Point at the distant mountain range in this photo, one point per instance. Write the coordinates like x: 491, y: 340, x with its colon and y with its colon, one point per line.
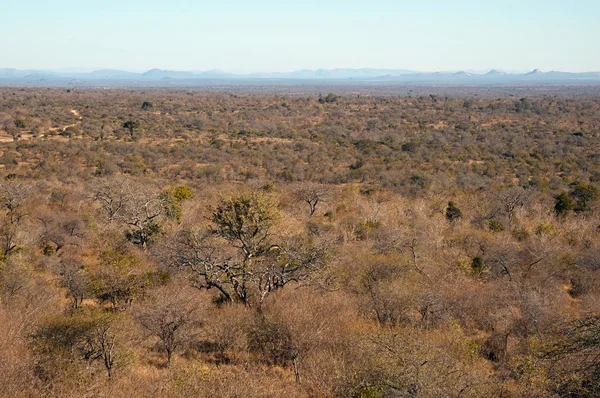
x: 159, y: 77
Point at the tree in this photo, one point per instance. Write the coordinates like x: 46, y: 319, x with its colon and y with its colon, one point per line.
x: 112, y: 194
x: 21, y: 124
x: 272, y: 340
x: 258, y: 266
x: 74, y: 279
x: 312, y: 194
x: 131, y: 126
x: 572, y: 360
x: 245, y: 222
x: 138, y: 206
x: 563, y: 203
x: 453, y: 213
x: 118, y: 279
x: 172, y: 198
x: 13, y: 198
x: 146, y: 106
x: 171, y: 315
x: 584, y: 195
x: 512, y: 199
x: 142, y: 213
x: 79, y: 338
x: 331, y: 98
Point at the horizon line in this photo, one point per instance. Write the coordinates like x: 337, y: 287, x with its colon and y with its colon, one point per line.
x: 83, y: 70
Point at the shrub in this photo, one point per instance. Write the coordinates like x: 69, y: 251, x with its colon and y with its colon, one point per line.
x: 271, y: 340
x: 495, y: 226
x: 453, y: 213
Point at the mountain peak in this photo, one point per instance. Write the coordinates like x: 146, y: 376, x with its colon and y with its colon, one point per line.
x: 534, y: 72
x: 462, y: 74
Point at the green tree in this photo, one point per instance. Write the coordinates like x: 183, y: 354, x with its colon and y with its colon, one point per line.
x: 453, y: 213
x: 258, y: 266
x: 563, y: 203
x: 245, y: 221
x: 118, y: 279
x: 172, y: 198
x: 21, y: 124
x: 584, y: 195
x: 131, y: 126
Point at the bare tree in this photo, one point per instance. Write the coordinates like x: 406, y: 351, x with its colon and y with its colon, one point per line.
x: 172, y: 316
x: 138, y: 206
x: 101, y: 342
x: 112, y: 194
x: 74, y: 280
x: 312, y: 194
x: 572, y: 360
x: 200, y: 254
x: 513, y: 198
x: 142, y: 212
x: 13, y: 197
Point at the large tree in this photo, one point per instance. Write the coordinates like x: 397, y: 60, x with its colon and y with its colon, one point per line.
x: 259, y: 264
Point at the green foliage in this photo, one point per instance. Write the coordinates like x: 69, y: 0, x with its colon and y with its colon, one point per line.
x: 49, y: 249
x: 418, y: 180
x: 329, y: 99
x: 21, y: 124
x: 546, y: 229
x: 245, y: 220
x: 172, y: 198
x: 584, y: 195
x: 453, y: 213
x: 70, y: 132
x: 118, y: 279
x: 365, y: 228
x: 181, y: 193
x: 147, y: 105
x: 369, y: 392
x: 217, y: 143
x: 103, y: 168
x: 495, y: 226
x: 145, y: 234
x: 269, y: 186
x: 79, y: 339
x: 131, y: 126
x: 286, y: 175
x: 520, y: 234
x: 477, y: 266
x: 61, y: 334
x: 410, y: 146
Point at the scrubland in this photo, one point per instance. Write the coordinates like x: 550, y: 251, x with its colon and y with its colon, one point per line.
x: 179, y: 243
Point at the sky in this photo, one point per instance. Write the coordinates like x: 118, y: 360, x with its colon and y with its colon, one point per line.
x: 287, y: 35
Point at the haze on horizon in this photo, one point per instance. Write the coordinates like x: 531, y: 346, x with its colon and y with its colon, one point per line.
x: 268, y: 36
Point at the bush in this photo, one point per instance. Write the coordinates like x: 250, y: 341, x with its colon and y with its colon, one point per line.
x: 272, y: 341
x: 495, y: 226
x: 453, y: 213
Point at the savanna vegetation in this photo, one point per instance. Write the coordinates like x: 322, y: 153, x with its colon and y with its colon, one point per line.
x: 177, y: 243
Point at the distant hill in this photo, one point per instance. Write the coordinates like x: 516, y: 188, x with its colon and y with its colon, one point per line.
x: 11, y: 76
x: 167, y: 74
x: 111, y: 74
x: 462, y: 74
x: 495, y: 73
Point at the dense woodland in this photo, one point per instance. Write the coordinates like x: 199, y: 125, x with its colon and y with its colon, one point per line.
x: 177, y: 243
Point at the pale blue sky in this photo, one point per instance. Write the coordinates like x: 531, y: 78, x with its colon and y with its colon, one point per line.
x: 268, y: 35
